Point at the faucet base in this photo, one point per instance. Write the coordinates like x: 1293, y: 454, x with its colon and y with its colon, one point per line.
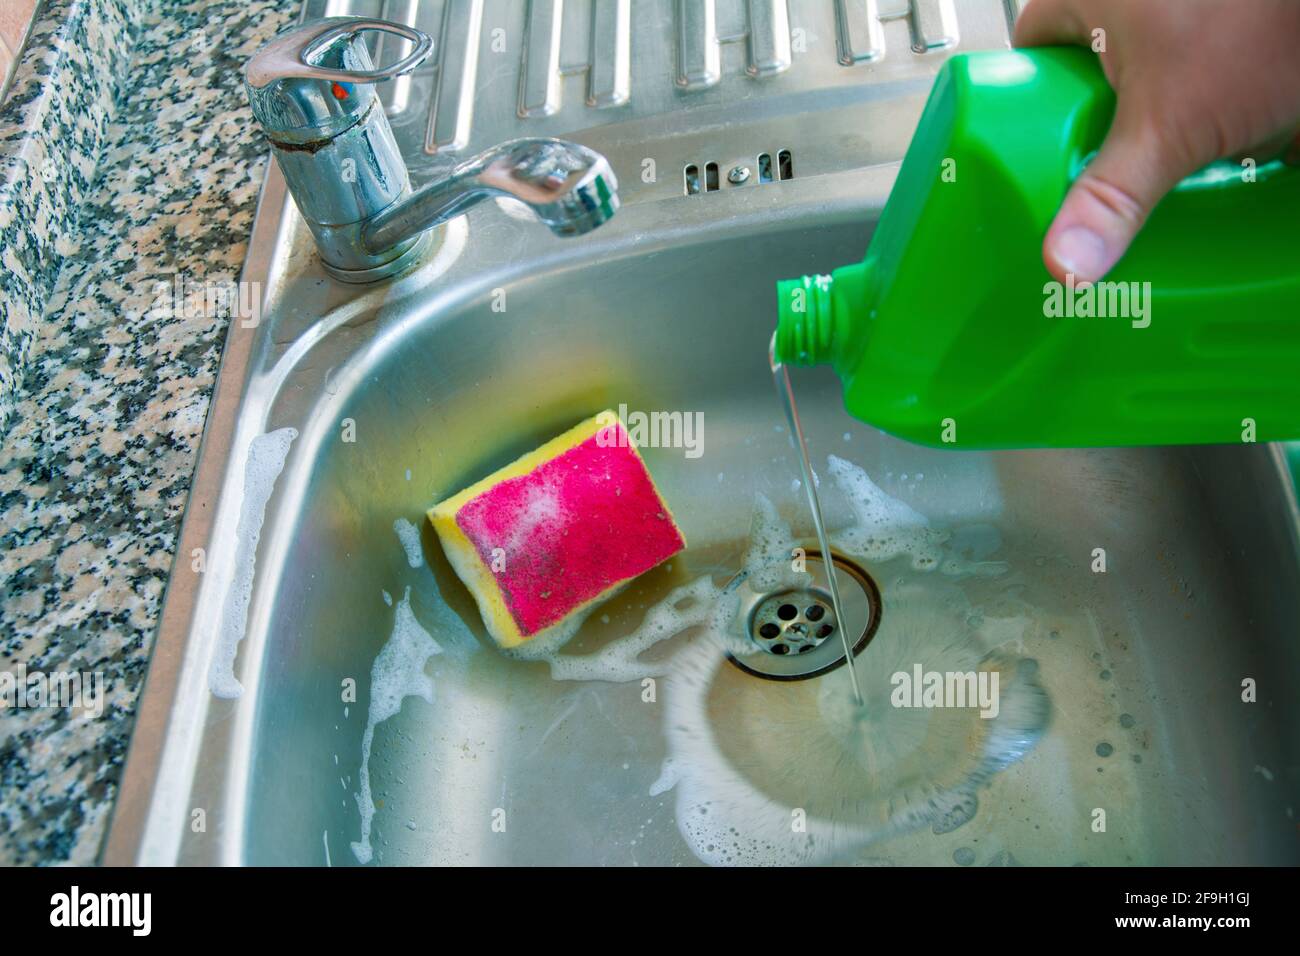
x: 415, y: 249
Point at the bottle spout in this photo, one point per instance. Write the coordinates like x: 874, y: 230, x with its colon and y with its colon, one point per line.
x: 805, y: 320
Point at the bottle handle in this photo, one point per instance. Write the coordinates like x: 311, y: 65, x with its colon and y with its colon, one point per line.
x: 1088, y: 135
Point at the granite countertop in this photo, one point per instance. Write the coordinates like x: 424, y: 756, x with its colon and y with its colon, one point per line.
x: 127, y: 156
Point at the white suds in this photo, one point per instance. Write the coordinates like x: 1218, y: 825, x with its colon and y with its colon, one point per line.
x: 769, y: 559
x: 904, y: 768
x: 669, y: 776
x: 266, y: 457
x: 398, y: 673
x: 721, y: 813
x: 700, y: 604
x: 540, y: 515
x: 885, y: 527
x: 409, y: 535
x: 691, y: 605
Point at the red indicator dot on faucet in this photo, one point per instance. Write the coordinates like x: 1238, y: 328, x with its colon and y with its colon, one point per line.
x: 339, y: 90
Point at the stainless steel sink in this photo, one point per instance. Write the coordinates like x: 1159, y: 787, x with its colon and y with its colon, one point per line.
x: 494, y: 760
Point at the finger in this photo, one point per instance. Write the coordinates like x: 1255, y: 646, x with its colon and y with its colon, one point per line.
x: 1283, y: 146
x: 1275, y: 147
x: 1050, y: 23
x: 1110, y: 201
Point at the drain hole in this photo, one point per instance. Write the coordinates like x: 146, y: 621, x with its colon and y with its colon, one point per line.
x: 780, y: 649
x: 769, y: 630
x: 807, y: 647
x: 815, y: 613
x: 787, y: 612
x: 825, y: 630
x: 765, y: 167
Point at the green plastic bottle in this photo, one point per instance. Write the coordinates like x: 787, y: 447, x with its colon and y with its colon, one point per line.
x: 952, y: 333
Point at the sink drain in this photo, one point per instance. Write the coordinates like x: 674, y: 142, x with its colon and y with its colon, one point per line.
x: 793, y: 622
x: 794, y: 632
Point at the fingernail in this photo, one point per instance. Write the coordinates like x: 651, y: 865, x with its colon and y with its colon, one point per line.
x: 1082, y: 252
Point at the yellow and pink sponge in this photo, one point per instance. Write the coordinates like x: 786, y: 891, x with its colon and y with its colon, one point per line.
x: 557, y: 531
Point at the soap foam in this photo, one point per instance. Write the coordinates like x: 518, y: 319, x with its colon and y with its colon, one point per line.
x: 884, y: 527
x: 409, y: 535
x: 816, y: 779
x: 397, y: 673
x: 769, y: 559
x: 896, y: 769
x: 768, y: 563
x: 539, y: 517
x: 547, y: 643
x: 266, y: 457
x: 700, y: 604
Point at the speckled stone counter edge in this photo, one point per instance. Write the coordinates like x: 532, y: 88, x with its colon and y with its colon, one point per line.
x: 52, y: 127
x: 104, y: 430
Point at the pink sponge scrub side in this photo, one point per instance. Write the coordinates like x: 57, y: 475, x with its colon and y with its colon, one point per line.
x: 557, y: 530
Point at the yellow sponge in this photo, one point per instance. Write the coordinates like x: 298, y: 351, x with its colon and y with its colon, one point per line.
x: 556, y: 531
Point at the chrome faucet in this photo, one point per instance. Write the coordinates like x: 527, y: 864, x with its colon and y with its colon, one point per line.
x: 311, y: 89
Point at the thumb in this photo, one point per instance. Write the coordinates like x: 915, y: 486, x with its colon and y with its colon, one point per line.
x: 1111, y: 199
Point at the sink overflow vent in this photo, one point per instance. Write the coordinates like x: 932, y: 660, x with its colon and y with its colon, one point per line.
x: 772, y: 168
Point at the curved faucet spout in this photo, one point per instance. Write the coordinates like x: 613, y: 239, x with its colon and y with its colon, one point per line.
x: 569, y: 187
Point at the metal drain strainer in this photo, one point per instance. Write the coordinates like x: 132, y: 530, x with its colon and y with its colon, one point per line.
x: 793, y: 622
x: 793, y: 632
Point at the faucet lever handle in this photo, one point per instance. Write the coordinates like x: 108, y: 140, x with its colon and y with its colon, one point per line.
x: 297, y: 53
x: 313, y: 82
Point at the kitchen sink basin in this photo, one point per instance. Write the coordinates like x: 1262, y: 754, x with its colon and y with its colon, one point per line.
x: 405, y: 392
x: 322, y: 689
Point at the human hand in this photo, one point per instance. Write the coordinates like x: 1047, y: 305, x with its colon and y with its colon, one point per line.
x: 1195, y: 80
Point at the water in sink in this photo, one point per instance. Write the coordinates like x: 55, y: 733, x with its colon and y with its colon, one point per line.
x: 786, y: 772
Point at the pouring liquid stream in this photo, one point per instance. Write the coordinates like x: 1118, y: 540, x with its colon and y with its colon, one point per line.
x: 783, y: 387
